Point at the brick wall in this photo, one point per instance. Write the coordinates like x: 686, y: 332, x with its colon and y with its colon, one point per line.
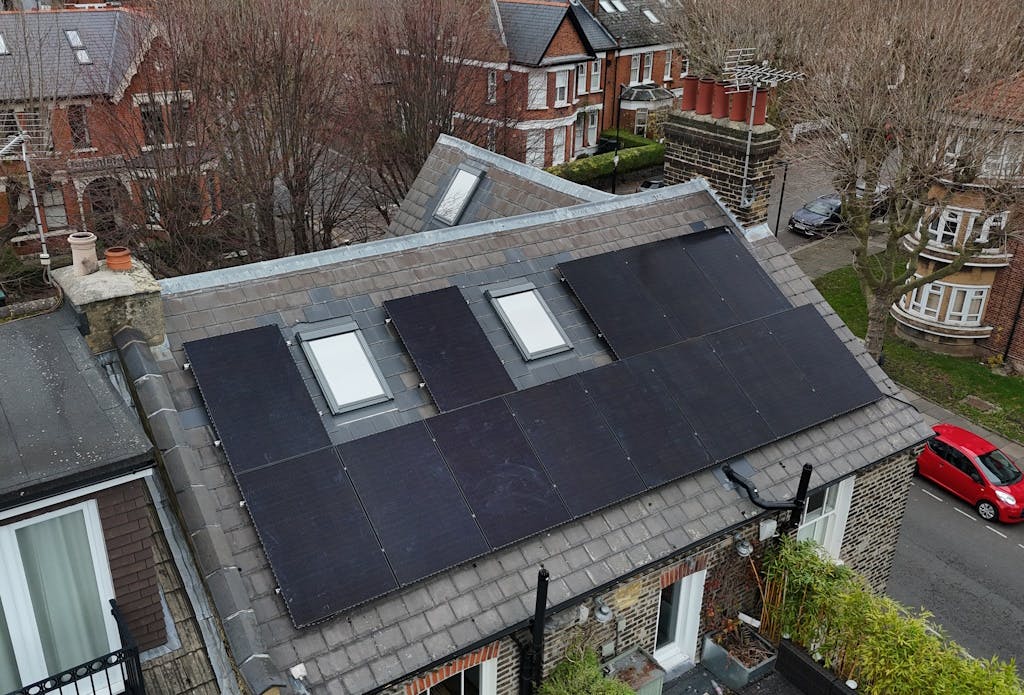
x: 716, y: 150
x: 1002, y: 307
x: 876, y: 515
x: 565, y: 42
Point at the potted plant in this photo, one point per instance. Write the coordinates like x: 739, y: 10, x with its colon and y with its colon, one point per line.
x: 736, y: 654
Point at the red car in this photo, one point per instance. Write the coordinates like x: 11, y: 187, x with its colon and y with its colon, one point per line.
x: 976, y: 471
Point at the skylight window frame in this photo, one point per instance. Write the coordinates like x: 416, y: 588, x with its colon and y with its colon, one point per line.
x: 74, y: 38
x: 619, y: 5
x: 651, y: 17
x: 452, y: 219
x: 329, y: 329
x: 606, y: 6
x: 496, y: 294
x: 4, y: 50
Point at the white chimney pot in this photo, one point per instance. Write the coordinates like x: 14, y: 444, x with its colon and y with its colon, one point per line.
x: 83, y: 252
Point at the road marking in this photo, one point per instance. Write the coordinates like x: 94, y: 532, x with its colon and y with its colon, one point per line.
x: 934, y: 497
x: 961, y: 511
x: 998, y: 533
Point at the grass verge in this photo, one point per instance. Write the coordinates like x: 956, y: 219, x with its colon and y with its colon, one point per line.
x: 940, y: 378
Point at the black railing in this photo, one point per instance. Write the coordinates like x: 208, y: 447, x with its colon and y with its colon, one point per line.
x: 117, y: 672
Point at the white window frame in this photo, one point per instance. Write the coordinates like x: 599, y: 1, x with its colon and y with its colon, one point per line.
x: 965, y: 317
x: 619, y: 5
x: 17, y: 602
x: 557, y: 145
x: 454, y: 201
x: 640, y: 119
x: 606, y: 6
x: 492, y: 86
x: 634, y: 68
x: 74, y: 38
x: 938, y: 228
x: 562, y: 88
x: 998, y: 221
x: 829, y: 524
x: 329, y: 329
x: 595, y: 76
x: 496, y: 295
x: 651, y: 17
x: 51, y: 199
x: 667, y: 76
x: 488, y: 677
x: 579, y: 128
x: 581, y: 78
x: 684, y: 67
x: 919, y: 300
x: 648, y: 66
x: 592, y: 120
x: 537, y: 90
x: 689, y: 593
x: 535, y: 146
x: 3, y: 47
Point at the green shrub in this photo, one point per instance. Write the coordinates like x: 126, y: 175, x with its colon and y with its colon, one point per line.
x: 888, y: 649
x: 628, y: 139
x: 580, y: 674
x: 593, y: 168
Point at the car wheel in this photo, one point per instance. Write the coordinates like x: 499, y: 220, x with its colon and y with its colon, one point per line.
x: 988, y: 511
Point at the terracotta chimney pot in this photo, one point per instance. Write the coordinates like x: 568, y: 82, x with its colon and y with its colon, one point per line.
x: 83, y: 252
x: 720, y: 100
x: 119, y: 258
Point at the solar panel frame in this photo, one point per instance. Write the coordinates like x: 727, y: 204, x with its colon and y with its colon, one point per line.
x: 423, y: 522
x: 298, y: 507
x: 249, y: 377
x: 449, y: 348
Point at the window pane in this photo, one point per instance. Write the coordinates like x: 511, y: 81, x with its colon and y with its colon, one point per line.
x: 449, y: 686
x: 10, y: 679
x: 64, y: 592
x: 531, y: 322
x: 346, y: 369
x: 668, y: 607
x: 471, y: 681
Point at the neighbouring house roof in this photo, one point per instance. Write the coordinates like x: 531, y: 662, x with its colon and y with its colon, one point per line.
x: 507, y: 188
x: 632, y: 28
x: 410, y: 629
x: 530, y: 25
x: 43, y: 65
x: 1003, y: 100
x: 62, y: 423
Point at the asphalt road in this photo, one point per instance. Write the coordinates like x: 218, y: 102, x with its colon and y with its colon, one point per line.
x: 805, y: 181
x: 967, y: 572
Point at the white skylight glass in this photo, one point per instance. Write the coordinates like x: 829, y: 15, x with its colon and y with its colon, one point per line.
x: 74, y: 39
x: 3, y: 46
x: 82, y: 57
x: 650, y: 16
x: 606, y: 6
x: 346, y: 372
x: 457, y: 196
x: 530, y: 323
x: 619, y: 6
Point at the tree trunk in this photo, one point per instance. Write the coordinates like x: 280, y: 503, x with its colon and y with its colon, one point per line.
x: 878, y: 318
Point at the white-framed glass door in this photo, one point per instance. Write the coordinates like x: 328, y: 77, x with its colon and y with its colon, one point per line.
x: 55, y: 591
x: 679, y: 621
x: 475, y: 680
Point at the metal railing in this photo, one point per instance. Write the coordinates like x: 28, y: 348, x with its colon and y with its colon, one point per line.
x: 120, y: 671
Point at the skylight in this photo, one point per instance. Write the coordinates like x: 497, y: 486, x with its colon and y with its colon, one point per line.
x: 529, y: 321
x: 619, y: 6
x: 3, y: 46
x: 455, y: 198
x: 344, y: 367
x: 606, y: 6
x: 650, y: 16
x: 82, y: 57
x: 74, y: 40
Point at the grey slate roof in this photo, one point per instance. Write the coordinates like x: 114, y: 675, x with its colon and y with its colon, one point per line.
x: 633, y: 29
x: 508, y: 188
x: 62, y: 424
x: 42, y: 64
x: 408, y: 630
x: 530, y: 26
x: 596, y: 35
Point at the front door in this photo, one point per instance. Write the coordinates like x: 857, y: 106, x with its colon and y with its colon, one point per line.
x: 679, y: 621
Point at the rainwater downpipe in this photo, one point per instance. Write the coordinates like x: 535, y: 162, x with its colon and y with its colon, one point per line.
x: 537, y: 645
x: 1013, y: 326
x: 796, y: 506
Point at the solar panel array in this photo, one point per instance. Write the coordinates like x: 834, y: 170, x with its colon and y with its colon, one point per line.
x: 344, y: 524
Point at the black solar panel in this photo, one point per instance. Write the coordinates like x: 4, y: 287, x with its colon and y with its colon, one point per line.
x: 839, y: 382
x: 727, y: 264
x: 418, y: 511
x: 458, y: 363
x: 646, y: 420
x: 575, y: 446
x: 768, y: 375
x: 693, y: 305
x: 617, y: 302
x: 323, y: 552
x: 503, y: 481
x: 256, y: 397
x: 723, y: 417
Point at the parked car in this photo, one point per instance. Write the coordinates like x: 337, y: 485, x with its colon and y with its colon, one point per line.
x: 819, y: 217
x: 650, y: 184
x: 976, y: 471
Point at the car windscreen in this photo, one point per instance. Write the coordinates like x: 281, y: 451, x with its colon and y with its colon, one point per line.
x: 821, y: 207
x: 998, y: 469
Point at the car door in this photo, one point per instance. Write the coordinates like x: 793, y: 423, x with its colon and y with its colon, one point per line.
x: 965, y: 480
x: 941, y: 467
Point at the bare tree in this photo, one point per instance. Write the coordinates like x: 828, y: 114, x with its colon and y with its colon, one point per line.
x: 891, y: 85
x: 430, y: 67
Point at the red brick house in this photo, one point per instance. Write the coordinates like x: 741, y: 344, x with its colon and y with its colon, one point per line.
x: 86, y: 87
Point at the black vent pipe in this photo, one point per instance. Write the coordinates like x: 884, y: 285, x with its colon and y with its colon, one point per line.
x: 796, y: 505
x: 537, y: 646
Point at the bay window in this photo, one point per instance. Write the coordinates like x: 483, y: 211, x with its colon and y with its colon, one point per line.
x: 926, y: 300
x: 943, y: 227
x: 966, y: 305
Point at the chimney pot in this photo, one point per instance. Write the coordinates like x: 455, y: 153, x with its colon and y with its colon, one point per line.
x: 83, y: 252
x: 119, y: 258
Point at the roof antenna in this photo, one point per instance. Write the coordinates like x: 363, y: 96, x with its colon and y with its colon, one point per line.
x: 741, y: 71
x: 22, y: 138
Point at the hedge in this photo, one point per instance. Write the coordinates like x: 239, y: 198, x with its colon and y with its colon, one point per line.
x: 590, y: 169
x: 628, y: 139
x: 886, y: 648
